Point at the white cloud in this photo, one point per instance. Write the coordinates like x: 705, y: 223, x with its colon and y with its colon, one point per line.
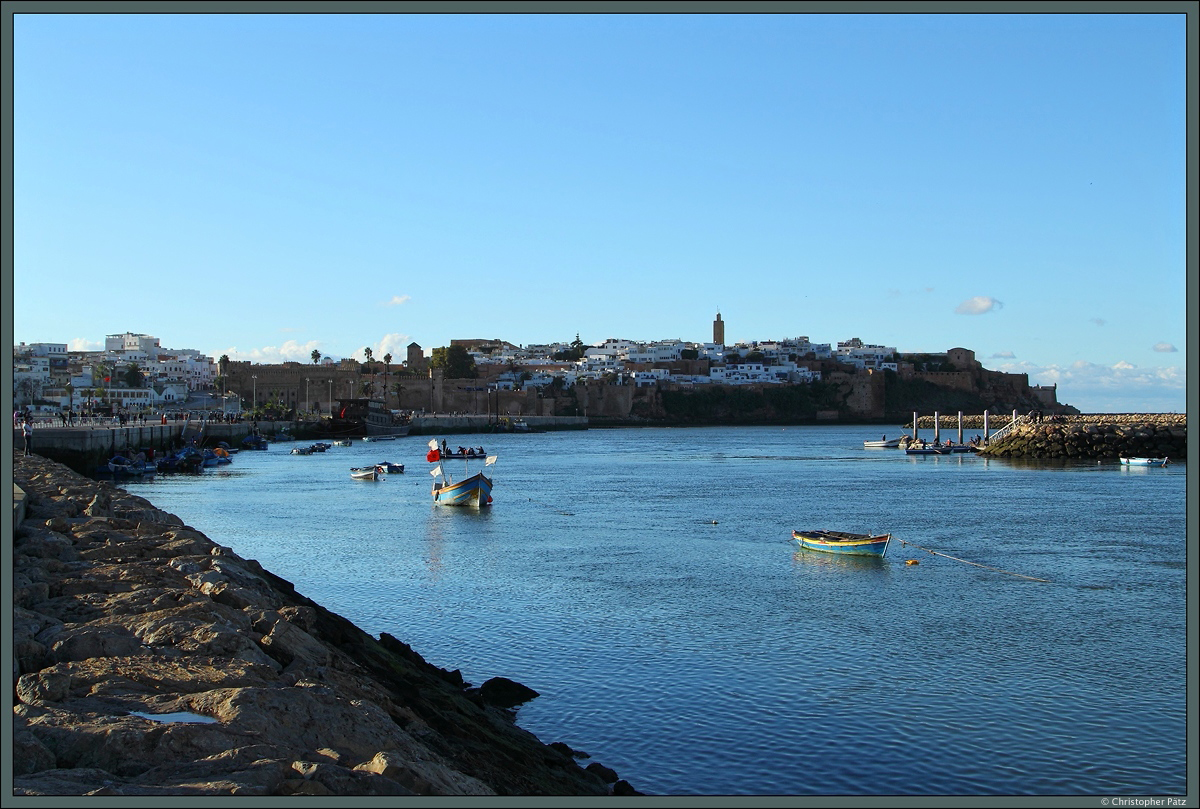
x: 1118, y: 388
x: 80, y: 344
x: 290, y: 351
x: 1003, y: 355
x: 1165, y: 348
x: 397, y: 300
x: 978, y: 305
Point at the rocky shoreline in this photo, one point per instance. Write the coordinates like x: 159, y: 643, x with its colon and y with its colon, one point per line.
x: 150, y: 660
x: 1100, y: 436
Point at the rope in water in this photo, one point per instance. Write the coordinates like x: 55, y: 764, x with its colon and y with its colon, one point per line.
x: 976, y: 564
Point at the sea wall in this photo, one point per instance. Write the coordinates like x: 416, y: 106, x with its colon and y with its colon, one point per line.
x: 150, y: 660
x: 1095, y: 436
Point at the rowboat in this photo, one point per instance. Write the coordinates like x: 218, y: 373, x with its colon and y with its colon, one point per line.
x: 390, y: 468
x: 364, y: 472
x: 883, y: 443
x: 472, y: 490
x: 379, y: 438
x: 341, y: 442
x: 1145, y: 461
x: 843, y: 542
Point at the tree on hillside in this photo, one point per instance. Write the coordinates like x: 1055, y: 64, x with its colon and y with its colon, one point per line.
x: 369, y: 355
x: 456, y: 362
x: 316, y: 356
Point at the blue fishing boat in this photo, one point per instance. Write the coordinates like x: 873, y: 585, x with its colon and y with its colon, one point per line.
x: 843, y: 542
x: 472, y: 490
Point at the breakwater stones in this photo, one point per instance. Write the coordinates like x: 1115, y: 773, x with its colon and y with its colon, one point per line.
x: 1095, y: 436
x: 150, y: 660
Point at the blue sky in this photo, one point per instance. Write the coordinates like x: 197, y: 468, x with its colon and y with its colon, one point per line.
x: 260, y: 185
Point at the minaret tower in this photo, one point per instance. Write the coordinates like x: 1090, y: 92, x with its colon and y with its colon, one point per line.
x: 718, y: 331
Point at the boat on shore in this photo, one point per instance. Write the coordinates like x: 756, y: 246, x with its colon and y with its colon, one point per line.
x: 843, y: 542
x: 1145, y: 461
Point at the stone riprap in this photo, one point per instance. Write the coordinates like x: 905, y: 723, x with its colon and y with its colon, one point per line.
x: 1103, y: 436
x: 150, y: 660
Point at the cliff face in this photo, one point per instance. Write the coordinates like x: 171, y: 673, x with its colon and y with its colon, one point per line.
x: 152, y: 661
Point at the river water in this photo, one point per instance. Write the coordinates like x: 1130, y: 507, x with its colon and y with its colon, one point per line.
x: 644, y: 582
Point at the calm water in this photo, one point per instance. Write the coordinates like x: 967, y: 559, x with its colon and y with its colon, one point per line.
x: 645, y: 583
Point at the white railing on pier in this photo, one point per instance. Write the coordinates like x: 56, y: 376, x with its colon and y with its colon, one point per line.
x: 1003, y: 431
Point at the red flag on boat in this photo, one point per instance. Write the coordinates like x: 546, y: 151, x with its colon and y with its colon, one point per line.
x: 433, y: 456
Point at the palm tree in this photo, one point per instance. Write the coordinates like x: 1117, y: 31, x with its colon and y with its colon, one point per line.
x: 387, y: 366
x: 365, y: 387
x: 369, y: 355
x: 399, y: 388
x: 316, y: 356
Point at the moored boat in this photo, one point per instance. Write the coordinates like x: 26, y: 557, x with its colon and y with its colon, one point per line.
x: 883, y: 443
x: 390, y: 468
x: 472, y: 490
x: 843, y: 542
x: 1145, y: 461
x: 364, y: 472
x: 254, y: 441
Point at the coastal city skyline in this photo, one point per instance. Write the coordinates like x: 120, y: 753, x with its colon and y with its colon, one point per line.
x: 262, y: 186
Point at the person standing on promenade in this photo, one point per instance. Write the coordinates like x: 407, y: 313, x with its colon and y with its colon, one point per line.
x: 27, y: 432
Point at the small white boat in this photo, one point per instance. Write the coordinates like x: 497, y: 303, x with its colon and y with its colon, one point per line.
x: 1145, y: 461
x: 379, y: 438
x: 390, y: 468
x: 885, y: 442
x: 341, y: 442
x: 364, y: 472
x: 302, y: 450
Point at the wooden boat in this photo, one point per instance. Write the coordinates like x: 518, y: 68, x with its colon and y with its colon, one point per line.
x: 927, y: 450
x: 364, y: 472
x: 120, y: 466
x: 1145, y: 461
x: 472, y: 490
x: 254, y: 442
x: 390, y: 468
x: 302, y: 450
x: 883, y: 443
x: 842, y: 542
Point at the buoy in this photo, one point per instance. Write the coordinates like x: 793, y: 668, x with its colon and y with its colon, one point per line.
x: 911, y: 562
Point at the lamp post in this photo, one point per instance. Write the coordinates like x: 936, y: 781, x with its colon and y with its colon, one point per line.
x: 254, y: 391
x: 331, y: 399
x: 307, y: 400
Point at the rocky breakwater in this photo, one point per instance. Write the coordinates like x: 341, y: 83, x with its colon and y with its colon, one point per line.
x: 1100, y: 436
x: 150, y: 660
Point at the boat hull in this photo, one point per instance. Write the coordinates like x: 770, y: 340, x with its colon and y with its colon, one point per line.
x: 848, y: 544
x: 1144, y: 461
x: 473, y: 491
